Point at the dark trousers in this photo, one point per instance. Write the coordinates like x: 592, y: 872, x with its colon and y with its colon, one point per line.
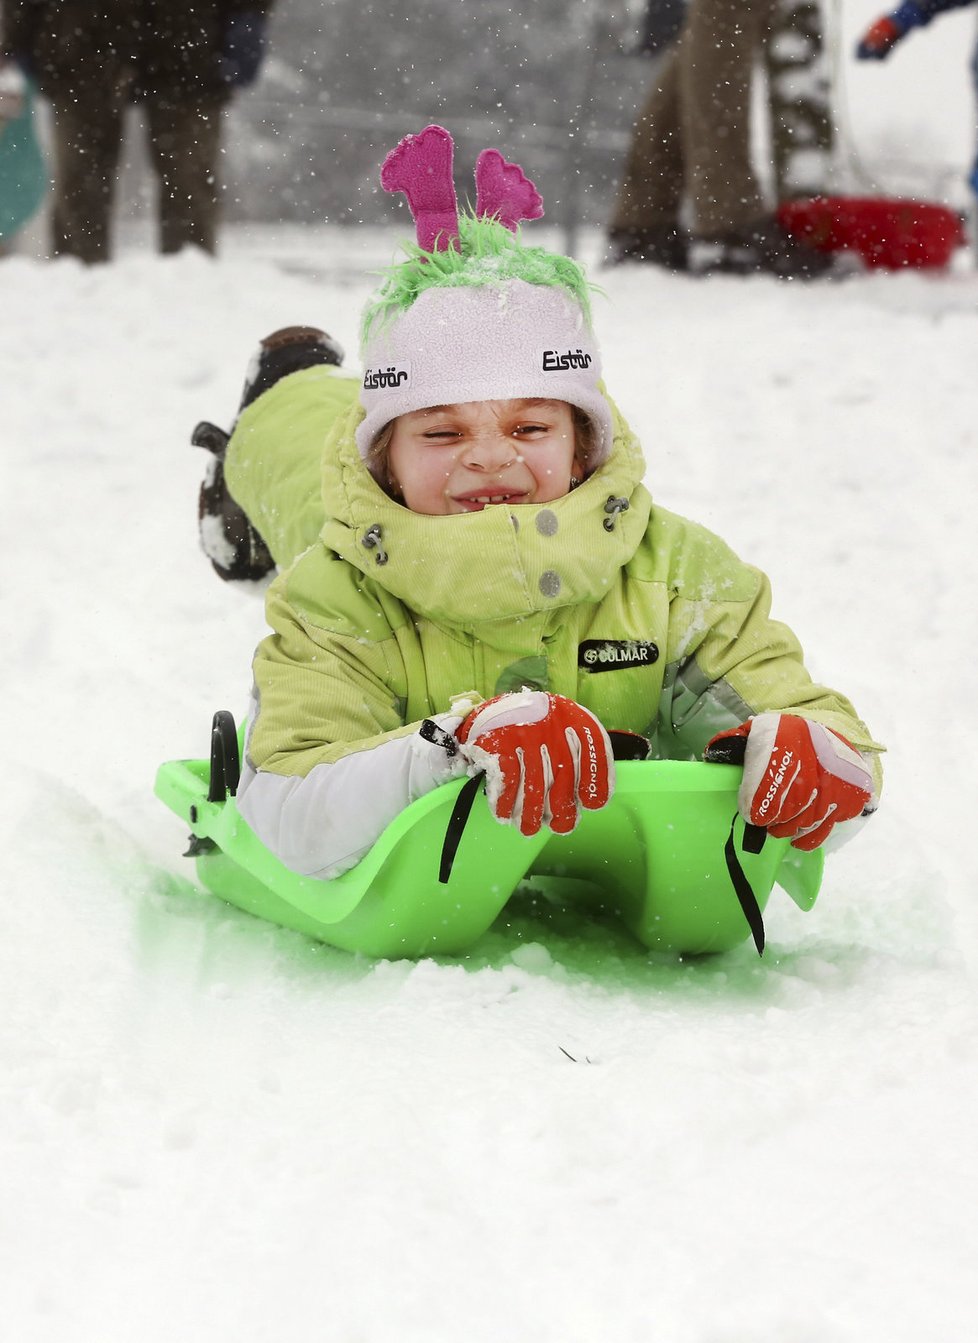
x: 692, y: 141
x: 184, y: 142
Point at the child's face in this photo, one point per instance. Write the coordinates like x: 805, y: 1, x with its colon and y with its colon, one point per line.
x: 458, y: 459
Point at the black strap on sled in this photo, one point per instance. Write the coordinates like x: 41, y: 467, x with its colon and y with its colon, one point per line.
x: 753, y: 842
x: 463, y: 803
x: 456, y: 825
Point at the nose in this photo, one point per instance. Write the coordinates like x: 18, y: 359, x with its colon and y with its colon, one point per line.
x: 491, y: 451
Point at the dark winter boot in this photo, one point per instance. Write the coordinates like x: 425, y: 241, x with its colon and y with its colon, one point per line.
x: 665, y: 246
x: 235, y: 549
x: 287, y: 351
x: 764, y: 248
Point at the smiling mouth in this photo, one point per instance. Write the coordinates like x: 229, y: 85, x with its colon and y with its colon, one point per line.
x: 474, y: 502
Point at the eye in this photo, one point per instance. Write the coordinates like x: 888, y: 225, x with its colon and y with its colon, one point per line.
x: 529, y: 430
x: 440, y: 435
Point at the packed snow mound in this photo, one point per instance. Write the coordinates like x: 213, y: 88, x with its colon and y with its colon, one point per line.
x: 212, y: 1128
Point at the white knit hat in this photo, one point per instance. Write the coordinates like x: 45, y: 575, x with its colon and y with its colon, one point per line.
x: 473, y: 315
x: 498, y: 343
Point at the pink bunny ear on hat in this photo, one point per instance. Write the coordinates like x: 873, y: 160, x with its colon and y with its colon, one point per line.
x: 421, y: 167
x: 503, y: 192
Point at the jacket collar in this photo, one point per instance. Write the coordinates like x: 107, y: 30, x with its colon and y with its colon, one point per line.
x: 505, y: 562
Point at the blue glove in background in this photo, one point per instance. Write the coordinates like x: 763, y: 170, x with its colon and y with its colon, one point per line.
x: 882, y: 36
x: 910, y: 15
x: 244, y: 49
x: 879, y: 40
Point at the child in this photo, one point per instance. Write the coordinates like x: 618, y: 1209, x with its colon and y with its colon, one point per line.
x: 492, y: 587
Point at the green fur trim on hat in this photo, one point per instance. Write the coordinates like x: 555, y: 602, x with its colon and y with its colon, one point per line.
x: 490, y: 254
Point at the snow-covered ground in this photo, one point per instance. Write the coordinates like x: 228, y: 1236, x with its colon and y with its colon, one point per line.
x: 213, y: 1129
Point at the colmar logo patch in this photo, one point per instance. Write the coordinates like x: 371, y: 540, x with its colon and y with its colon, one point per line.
x: 601, y: 655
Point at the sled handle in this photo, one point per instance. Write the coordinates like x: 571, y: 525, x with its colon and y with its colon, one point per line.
x: 225, y: 760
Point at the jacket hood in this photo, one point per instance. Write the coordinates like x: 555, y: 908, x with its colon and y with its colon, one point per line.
x: 507, y: 560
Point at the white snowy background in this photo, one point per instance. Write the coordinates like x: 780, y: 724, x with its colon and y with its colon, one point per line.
x: 213, y: 1129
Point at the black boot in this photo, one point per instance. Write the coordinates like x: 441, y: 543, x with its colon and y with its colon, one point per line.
x: 763, y: 248
x: 666, y: 246
x: 287, y: 351
x: 227, y: 538
x: 235, y: 549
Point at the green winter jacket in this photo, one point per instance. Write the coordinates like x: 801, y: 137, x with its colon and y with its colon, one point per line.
x: 647, y: 619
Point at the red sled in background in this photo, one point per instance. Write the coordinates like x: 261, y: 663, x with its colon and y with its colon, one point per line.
x: 887, y: 234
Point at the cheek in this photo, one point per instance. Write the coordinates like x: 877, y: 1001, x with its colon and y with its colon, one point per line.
x: 416, y: 462
x: 554, y: 471
x: 422, y: 477
x: 435, y: 470
x: 560, y: 459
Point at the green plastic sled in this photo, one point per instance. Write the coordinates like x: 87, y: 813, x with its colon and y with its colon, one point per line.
x: 658, y: 857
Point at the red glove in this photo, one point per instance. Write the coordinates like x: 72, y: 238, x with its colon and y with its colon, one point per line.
x: 544, y: 756
x: 879, y: 39
x: 800, y: 778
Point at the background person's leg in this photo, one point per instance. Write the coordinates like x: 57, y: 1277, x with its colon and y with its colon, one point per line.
x: 184, y: 149
x: 87, y: 135
x: 733, y: 229
x: 721, y: 42
x: 644, y: 225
